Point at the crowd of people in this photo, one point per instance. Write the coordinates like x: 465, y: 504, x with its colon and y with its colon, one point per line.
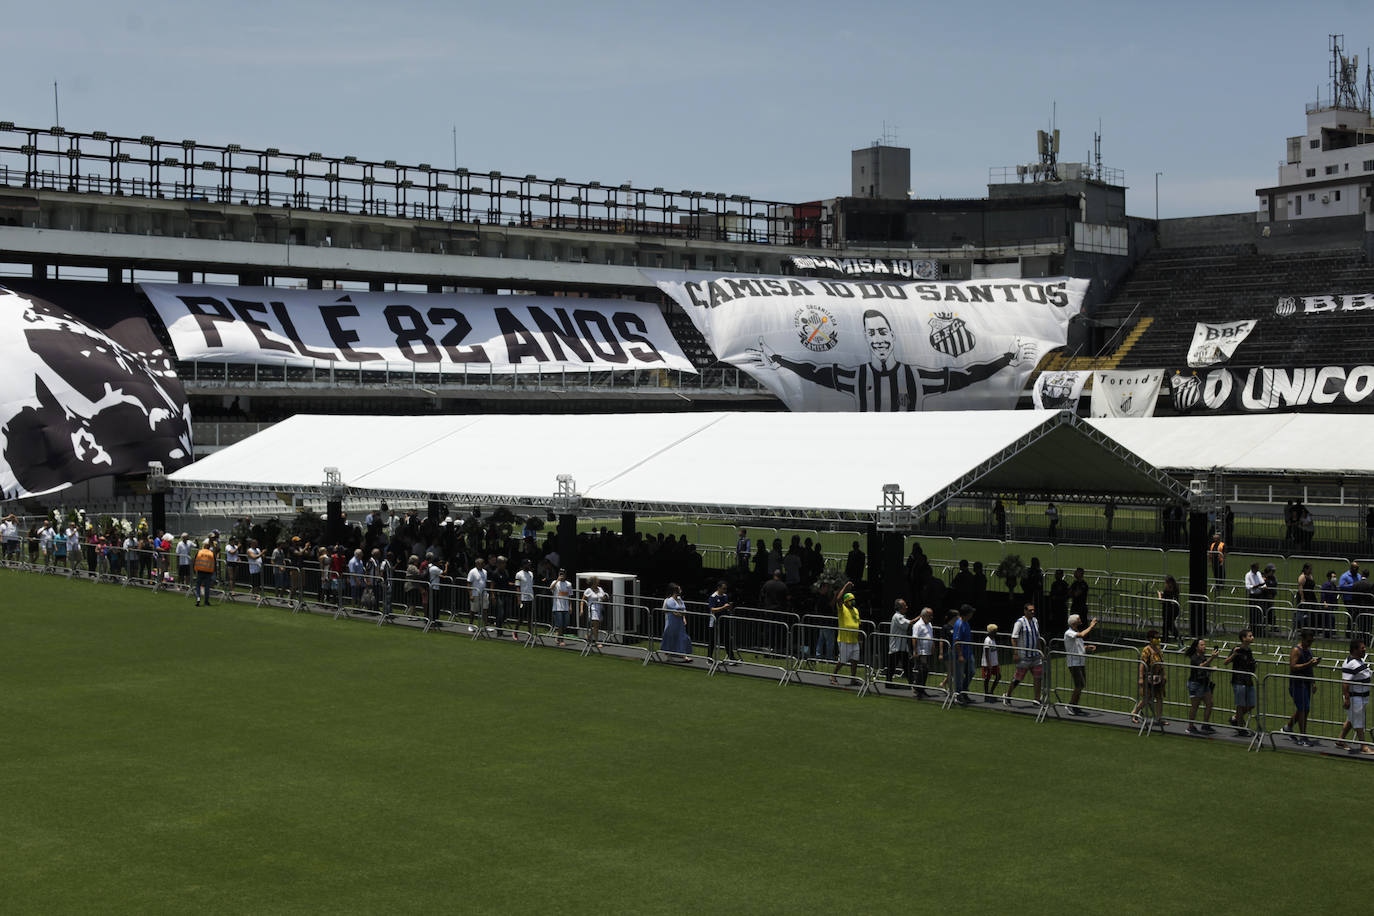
x: 436, y: 568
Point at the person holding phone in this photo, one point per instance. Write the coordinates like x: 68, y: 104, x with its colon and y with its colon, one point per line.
x: 1200, y: 686
x: 1302, y: 666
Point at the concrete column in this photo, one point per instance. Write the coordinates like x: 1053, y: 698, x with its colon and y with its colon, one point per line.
x: 333, y: 524
x: 159, y: 519
x: 890, y: 574
x: 1198, y: 540
x: 377, y: 286
x: 567, y: 544
x: 114, y: 275
x: 873, y: 567
x: 185, y: 276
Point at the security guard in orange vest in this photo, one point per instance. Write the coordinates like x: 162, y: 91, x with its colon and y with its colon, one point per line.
x: 205, y: 572
x: 1216, y: 552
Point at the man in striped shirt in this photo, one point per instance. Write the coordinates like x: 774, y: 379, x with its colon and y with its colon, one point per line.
x: 1355, y: 678
x: 1025, y: 636
x: 885, y: 384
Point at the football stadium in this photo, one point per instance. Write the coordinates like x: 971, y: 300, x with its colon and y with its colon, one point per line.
x: 390, y: 536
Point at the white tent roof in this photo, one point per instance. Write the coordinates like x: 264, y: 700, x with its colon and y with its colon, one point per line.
x: 727, y: 463
x: 1290, y: 443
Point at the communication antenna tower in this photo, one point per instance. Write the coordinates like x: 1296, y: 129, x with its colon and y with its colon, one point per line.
x: 1346, y: 91
x: 1097, y: 150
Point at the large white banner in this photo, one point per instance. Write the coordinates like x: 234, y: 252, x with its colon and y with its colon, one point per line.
x: 880, y: 345
x: 401, y: 331
x: 1216, y: 343
x: 1288, y: 306
x: 1059, y: 390
x: 1126, y: 392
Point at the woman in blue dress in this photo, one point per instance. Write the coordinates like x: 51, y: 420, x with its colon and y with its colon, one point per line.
x: 675, y: 638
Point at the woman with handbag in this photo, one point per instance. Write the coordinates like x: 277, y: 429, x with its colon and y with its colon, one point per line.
x: 1200, y: 686
x: 1152, y: 679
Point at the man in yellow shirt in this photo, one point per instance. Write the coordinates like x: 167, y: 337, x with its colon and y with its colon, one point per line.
x: 848, y: 635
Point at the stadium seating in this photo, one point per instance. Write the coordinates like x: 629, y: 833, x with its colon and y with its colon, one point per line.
x: 1170, y: 290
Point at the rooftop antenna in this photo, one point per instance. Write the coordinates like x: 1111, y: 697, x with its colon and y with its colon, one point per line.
x: 1097, y: 151
x: 56, y: 112
x: 1047, y: 145
x: 1345, y: 77
x: 455, y: 147
x: 889, y: 134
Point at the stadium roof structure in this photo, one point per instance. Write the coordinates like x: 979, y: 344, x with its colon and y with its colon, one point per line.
x: 736, y: 465
x: 1289, y: 444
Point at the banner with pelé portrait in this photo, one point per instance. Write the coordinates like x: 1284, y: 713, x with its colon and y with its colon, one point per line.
x: 880, y: 345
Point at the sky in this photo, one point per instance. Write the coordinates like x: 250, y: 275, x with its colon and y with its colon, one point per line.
x: 765, y: 99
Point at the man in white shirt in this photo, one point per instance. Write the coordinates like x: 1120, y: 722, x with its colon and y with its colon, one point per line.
x: 899, y: 643
x: 923, y: 638
x: 9, y: 537
x: 561, y: 590
x: 184, y: 548
x: 593, y: 606
x: 73, y: 546
x: 46, y: 536
x: 524, y: 583
x: 1076, y: 658
x: 477, y: 590
x: 1355, y: 680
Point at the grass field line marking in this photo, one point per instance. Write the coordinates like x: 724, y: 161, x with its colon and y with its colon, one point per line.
x: 652, y: 455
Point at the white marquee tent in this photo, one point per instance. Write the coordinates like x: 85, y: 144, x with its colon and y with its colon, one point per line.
x: 727, y: 464
x: 1291, y: 443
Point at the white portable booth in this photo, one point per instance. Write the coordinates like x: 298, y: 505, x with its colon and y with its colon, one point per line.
x: 621, y: 616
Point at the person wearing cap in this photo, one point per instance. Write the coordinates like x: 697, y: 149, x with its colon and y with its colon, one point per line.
x: 992, y: 664
x: 205, y: 572
x: 847, y: 635
x: 561, y: 590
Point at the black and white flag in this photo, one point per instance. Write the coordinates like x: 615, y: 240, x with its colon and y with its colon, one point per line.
x: 78, y: 404
x: 1216, y: 343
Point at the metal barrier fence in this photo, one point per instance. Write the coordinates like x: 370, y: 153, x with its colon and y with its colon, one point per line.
x: 777, y: 646
x: 1281, y: 697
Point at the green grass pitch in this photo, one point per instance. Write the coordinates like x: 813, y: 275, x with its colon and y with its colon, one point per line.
x: 159, y: 758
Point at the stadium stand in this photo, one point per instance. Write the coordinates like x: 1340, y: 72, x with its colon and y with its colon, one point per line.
x: 1171, y: 289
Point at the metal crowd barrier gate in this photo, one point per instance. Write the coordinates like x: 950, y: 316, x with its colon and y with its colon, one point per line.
x: 757, y: 643
x: 968, y: 658
x: 695, y: 622
x: 1177, y: 702
x: 1324, y: 719
x: 805, y: 670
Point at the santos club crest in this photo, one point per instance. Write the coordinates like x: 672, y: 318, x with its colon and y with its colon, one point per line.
x: 815, y: 328
x: 1187, y: 391
x: 949, y: 334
